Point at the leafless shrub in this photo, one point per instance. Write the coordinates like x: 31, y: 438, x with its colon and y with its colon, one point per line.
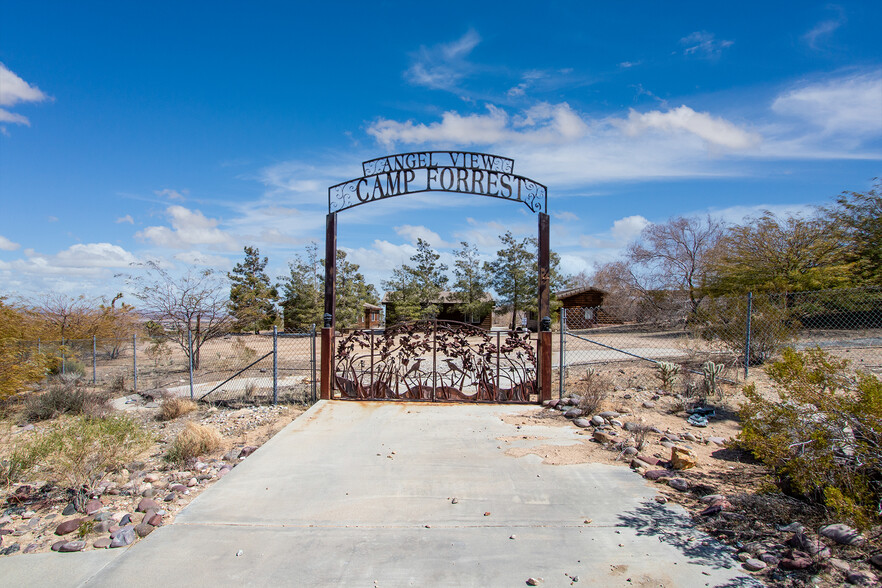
x: 596, y: 390
x: 172, y: 408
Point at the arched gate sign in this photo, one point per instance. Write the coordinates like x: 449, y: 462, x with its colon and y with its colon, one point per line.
x: 458, y: 172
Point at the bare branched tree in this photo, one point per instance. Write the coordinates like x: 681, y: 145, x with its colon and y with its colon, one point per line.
x: 197, y: 302
x: 676, y: 255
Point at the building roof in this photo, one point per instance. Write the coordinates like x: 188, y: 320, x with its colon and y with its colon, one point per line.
x: 372, y: 306
x: 444, y: 297
x: 576, y: 291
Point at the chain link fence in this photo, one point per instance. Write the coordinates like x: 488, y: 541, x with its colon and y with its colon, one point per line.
x: 236, y: 368
x: 739, y: 333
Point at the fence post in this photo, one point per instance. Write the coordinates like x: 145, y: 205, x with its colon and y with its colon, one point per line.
x: 312, y: 362
x: 135, y: 362
x: 747, y: 335
x: 190, y: 359
x: 275, y: 365
x: 63, y: 356
x: 94, y: 378
x: 563, y: 342
x: 39, y: 346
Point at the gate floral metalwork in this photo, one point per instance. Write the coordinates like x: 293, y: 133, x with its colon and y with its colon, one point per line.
x: 443, y: 361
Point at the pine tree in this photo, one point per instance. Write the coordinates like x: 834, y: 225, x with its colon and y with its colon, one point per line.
x: 470, y: 287
x: 252, y: 296
x: 352, y: 293
x: 512, y: 275
x: 415, y: 289
x: 303, y: 299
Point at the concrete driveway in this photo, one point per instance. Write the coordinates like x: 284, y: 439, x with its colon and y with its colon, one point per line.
x: 362, y: 494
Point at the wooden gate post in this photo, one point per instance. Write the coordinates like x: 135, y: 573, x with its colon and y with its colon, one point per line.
x: 327, y: 358
x: 544, y: 309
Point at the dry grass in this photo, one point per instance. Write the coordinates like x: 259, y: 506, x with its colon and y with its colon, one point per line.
x: 172, y: 408
x: 597, y: 388
x: 193, y: 441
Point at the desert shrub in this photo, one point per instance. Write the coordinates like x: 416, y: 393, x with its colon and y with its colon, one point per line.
x: 724, y: 321
x: 597, y: 388
x: 19, y: 368
x: 117, y: 384
x: 158, y: 351
x: 80, y: 452
x: 65, y: 397
x: 641, y: 433
x: 174, y: 407
x: 822, y: 437
x: 712, y: 385
x: 667, y: 374
x: 193, y: 441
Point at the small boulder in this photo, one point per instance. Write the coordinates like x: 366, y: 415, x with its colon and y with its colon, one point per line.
x: 842, y: 534
x: 70, y: 546
x: 598, y: 421
x: 862, y: 579
x: 657, y: 474
x: 682, y: 458
x: 246, y: 451
x: 604, y: 437
x: 573, y: 413
x: 124, y: 536
x: 609, y: 414
x: 678, y: 484
x: 57, y: 545
x: 69, y: 526
x: 102, y: 543
x: 93, y: 506
x: 143, y: 529
x: 754, y: 565
x: 147, y: 504
x: 582, y: 423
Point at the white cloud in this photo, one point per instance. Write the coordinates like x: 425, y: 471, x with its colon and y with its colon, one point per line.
x: 82, y: 259
x: 543, y: 123
x: 718, y: 132
x: 7, y: 245
x: 847, y: 104
x: 442, y: 67
x: 14, y: 90
x: 195, y: 257
x: 626, y: 229
x: 704, y: 44
x: 618, y: 235
x: 172, y: 194
x: 188, y: 228
x: 565, y: 216
x: 125, y: 219
x: 412, y: 233
x: 824, y: 29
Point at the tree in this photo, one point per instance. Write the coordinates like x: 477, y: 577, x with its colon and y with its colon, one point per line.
x: 415, y: 289
x: 470, y: 287
x: 858, y: 218
x: 252, y: 296
x: 768, y: 254
x: 515, y: 275
x: 352, y: 293
x: 303, y: 298
x: 195, y: 302
x: 675, y: 256
x: 512, y: 276
x: 19, y: 365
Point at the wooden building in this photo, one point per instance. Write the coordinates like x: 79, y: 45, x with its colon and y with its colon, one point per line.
x: 584, y: 307
x: 372, y: 317
x: 448, y: 310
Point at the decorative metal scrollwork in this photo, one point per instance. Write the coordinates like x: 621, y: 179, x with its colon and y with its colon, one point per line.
x: 436, y: 360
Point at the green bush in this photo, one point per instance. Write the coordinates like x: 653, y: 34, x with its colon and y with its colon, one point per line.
x: 80, y: 452
x: 65, y: 397
x: 823, y: 436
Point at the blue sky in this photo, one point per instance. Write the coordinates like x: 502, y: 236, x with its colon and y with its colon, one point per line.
x: 181, y: 132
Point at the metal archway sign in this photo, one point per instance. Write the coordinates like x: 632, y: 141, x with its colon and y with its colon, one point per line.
x: 459, y: 172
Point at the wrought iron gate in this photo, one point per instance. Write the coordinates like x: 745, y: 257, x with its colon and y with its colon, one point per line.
x: 442, y: 361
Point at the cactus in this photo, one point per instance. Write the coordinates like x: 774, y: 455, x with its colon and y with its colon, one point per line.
x: 667, y: 373
x: 711, y: 371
